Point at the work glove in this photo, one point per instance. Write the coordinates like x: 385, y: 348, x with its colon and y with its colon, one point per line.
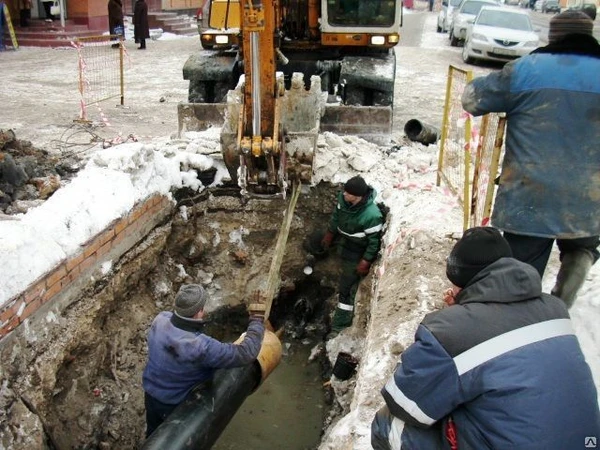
x: 363, y: 267
x: 327, y: 240
x: 258, y: 306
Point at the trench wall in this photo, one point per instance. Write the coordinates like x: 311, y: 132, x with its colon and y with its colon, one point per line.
x: 59, y: 287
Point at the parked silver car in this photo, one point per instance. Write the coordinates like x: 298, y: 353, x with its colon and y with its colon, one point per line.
x: 445, y: 14
x: 465, y: 13
x: 499, y: 34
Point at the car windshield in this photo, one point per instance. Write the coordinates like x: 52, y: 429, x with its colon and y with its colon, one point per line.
x: 472, y: 7
x: 504, y: 19
x: 361, y: 12
x: 455, y: 2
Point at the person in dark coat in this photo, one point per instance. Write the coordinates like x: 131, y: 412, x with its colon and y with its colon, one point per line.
x: 116, y: 25
x: 141, y: 30
x: 181, y: 356
x: 24, y: 12
x: 47, y: 10
x: 499, y: 368
x: 549, y: 186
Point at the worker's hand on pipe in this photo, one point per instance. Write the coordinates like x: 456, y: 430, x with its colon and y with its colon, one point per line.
x: 258, y: 305
x: 363, y: 267
x: 327, y: 240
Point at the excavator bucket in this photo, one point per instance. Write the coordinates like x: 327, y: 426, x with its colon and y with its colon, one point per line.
x: 372, y: 123
x: 304, y: 113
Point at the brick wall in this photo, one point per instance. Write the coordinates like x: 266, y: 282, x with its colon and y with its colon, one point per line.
x: 68, y: 279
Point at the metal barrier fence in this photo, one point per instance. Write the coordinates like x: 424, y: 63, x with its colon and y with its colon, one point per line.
x: 454, y: 161
x: 489, y: 150
x: 466, y: 150
x: 100, y: 71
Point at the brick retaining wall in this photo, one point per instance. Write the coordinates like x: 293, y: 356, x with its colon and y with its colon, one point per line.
x: 66, y: 280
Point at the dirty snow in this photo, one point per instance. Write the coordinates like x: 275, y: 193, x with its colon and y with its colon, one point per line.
x: 116, y: 178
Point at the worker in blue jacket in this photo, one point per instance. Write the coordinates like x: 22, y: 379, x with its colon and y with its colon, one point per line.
x: 181, y: 356
x: 549, y: 188
x: 500, y: 368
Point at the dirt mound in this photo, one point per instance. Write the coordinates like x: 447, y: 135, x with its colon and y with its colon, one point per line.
x: 29, y: 176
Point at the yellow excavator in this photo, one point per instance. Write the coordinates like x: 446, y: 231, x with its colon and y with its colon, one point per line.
x: 275, y: 73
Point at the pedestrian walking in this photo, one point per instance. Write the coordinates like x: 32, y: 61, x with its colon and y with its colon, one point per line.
x: 116, y: 25
x: 549, y: 188
x: 48, y: 10
x: 24, y: 12
x: 499, y: 368
x: 181, y: 356
x: 141, y: 30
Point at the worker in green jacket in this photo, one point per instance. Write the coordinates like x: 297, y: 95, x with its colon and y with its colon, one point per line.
x: 355, y: 229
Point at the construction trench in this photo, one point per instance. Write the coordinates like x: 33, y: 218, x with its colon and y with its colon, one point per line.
x: 80, y: 387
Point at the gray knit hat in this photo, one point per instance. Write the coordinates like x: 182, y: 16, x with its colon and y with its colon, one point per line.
x: 569, y: 22
x: 190, y: 299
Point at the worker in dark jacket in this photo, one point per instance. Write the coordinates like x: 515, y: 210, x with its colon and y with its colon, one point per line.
x: 355, y: 225
x: 115, y: 19
x: 501, y: 368
x: 549, y: 188
x: 141, y: 29
x: 181, y: 356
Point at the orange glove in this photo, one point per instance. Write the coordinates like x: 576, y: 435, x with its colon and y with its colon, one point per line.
x: 327, y: 240
x: 363, y: 267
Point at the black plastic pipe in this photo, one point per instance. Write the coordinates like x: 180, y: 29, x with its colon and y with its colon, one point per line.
x: 198, y: 422
x: 200, y: 419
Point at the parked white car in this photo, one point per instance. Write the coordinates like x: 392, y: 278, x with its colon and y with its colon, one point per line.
x: 460, y: 20
x: 499, y: 34
x: 445, y: 14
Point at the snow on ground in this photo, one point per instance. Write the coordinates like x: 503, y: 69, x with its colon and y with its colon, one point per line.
x: 116, y: 178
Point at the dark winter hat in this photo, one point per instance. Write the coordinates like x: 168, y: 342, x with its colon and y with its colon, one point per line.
x: 190, y: 299
x: 569, y: 22
x: 478, y: 248
x: 356, y: 186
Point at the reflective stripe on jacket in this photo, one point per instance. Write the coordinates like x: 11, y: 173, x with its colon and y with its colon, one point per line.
x: 359, y: 226
x: 504, y: 363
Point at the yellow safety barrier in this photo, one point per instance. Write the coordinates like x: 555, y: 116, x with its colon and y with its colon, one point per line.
x: 469, y: 155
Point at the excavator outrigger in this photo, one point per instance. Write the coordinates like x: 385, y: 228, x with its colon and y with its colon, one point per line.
x: 279, y: 64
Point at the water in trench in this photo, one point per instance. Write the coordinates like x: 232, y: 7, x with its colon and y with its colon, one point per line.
x: 288, y: 410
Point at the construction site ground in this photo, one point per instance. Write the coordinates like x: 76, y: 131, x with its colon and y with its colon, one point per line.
x: 41, y: 103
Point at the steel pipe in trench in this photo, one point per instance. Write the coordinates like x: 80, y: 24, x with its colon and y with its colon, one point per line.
x: 198, y: 422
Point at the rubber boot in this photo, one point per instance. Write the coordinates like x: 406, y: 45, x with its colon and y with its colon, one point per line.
x: 342, y: 316
x: 574, y: 268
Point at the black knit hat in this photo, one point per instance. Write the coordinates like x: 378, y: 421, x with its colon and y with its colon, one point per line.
x: 190, y: 299
x: 478, y: 248
x: 569, y: 22
x: 356, y: 186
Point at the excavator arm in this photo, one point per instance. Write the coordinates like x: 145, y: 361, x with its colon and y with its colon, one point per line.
x: 259, y: 138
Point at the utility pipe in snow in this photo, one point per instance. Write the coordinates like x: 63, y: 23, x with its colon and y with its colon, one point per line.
x: 421, y: 132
